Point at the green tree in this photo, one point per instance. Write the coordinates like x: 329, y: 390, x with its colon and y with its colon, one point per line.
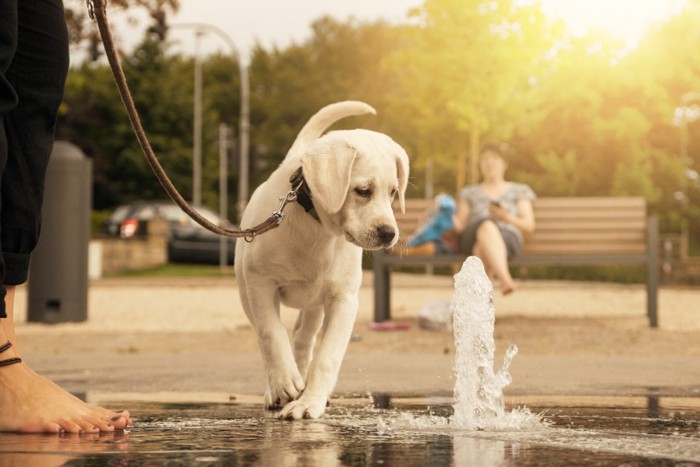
x: 335, y: 64
x: 470, y: 75
x: 668, y: 64
x: 585, y: 119
x: 94, y: 118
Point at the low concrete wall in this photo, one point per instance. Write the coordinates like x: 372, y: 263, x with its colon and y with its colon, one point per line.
x: 112, y: 255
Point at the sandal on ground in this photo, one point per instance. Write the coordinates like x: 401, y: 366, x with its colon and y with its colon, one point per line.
x: 8, y: 361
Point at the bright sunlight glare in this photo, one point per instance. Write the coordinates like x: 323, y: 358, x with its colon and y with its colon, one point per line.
x: 626, y: 20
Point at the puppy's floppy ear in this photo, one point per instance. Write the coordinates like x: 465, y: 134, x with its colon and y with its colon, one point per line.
x: 402, y: 173
x: 327, y: 167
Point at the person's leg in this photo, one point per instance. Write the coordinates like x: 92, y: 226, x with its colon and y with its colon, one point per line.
x: 33, y: 64
x: 491, y: 249
x: 33, y: 79
x: 8, y: 97
x: 7, y: 323
x: 31, y: 403
x: 424, y: 249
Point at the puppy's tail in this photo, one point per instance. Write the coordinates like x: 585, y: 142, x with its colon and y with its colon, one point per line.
x: 323, y: 119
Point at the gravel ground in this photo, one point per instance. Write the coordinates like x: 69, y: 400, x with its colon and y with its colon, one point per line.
x: 151, y: 336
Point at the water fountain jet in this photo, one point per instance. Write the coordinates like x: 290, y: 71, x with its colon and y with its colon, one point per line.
x: 478, y: 391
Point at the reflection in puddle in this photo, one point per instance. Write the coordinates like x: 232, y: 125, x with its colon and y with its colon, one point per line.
x: 357, y: 432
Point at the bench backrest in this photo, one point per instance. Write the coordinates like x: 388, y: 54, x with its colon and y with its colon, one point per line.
x: 568, y: 226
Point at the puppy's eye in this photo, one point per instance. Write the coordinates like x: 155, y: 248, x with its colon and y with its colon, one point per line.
x: 363, y: 192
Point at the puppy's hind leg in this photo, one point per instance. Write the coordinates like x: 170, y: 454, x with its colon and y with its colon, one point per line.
x: 306, y: 329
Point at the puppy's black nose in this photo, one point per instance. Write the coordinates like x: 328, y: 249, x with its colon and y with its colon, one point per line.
x: 386, y: 233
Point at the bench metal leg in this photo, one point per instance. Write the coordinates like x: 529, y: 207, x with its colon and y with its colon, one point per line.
x: 653, y: 271
x: 382, y: 289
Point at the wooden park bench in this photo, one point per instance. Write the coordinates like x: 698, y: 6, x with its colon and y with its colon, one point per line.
x: 570, y: 231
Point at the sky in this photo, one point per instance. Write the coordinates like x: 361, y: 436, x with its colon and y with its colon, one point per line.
x: 625, y: 19
x: 277, y: 22
x: 281, y: 22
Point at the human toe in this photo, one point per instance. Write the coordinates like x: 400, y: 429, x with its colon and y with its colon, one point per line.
x: 69, y: 426
x: 121, y: 420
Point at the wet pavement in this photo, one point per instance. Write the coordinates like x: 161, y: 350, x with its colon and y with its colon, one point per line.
x: 609, y: 391
x: 382, y: 430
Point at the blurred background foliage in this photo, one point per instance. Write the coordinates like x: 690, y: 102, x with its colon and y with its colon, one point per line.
x: 584, y: 118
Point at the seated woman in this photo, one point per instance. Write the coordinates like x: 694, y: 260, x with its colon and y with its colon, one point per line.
x: 492, y: 216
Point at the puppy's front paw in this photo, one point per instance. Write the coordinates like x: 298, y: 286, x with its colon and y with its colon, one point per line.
x: 307, y: 406
x: 283, y: 389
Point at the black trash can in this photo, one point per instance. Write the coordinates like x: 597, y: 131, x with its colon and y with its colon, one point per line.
x: 58, y: 273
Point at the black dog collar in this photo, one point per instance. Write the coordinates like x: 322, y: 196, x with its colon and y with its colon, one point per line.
x: 304, y: 197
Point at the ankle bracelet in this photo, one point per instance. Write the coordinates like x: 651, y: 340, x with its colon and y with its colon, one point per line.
x: 8, y: 361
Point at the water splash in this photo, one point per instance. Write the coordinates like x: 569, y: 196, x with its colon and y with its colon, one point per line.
x: 478, y: 391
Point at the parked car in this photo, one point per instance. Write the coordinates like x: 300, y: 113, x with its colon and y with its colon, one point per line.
x: 188, y: 242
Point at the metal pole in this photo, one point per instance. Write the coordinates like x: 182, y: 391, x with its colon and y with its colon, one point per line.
x: 685, y: 237
x: 197, y: 143
x: 244, y: 135
x: 244, y: 119
x: 223, y: 192
x: 429, y: 194
x: 429, y: 182
x: 686, y: 100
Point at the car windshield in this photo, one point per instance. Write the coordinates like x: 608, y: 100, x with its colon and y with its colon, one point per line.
x: 209, y: 215
x: 144, y: 212
x: 173, y: 213
x: 121, y: 213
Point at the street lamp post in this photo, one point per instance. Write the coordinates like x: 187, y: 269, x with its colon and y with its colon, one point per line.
x: 244, y: 118
x: 223, y: 190
x: 244, y: 141
x: 197, y: 127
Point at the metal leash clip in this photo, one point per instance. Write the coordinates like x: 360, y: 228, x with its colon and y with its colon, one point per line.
x: 278, y: 215
x: 288, y: 198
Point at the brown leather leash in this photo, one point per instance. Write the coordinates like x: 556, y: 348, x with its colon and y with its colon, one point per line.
x: 97, y: 10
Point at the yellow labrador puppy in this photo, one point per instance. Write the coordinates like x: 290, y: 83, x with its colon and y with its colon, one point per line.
x: 312, y: 262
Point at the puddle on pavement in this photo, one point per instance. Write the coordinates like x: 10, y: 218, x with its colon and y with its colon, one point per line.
x: 476, y: 426
x: 382, y: 431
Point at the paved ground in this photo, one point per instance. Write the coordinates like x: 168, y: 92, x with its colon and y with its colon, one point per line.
x: 177, y: 338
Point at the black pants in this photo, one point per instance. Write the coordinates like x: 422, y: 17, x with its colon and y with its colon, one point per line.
x: 33, y: 68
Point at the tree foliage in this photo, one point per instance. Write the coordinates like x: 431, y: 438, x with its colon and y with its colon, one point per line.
x: 585, y: 119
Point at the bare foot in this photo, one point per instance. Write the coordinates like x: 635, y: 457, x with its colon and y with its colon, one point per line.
x: 30, y: 403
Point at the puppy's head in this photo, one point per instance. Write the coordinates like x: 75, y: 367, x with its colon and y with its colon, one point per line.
x: 354, y: 176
